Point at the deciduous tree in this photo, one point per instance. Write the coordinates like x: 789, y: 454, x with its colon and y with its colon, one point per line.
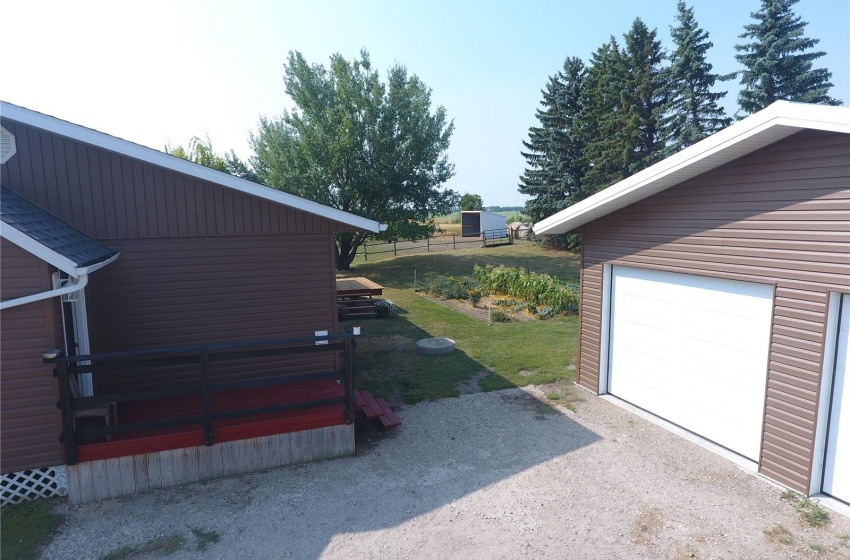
x: 361, y: 145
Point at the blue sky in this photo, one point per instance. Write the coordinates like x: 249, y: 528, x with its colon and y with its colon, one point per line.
x: 156, y: 72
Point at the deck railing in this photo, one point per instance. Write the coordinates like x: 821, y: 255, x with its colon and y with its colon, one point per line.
x: 68, y: 368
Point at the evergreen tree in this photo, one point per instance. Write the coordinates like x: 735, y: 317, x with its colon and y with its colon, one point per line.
x: 554, y: 150
x: 692, y: 109
x: 602, y: 119
x: 646, y: 96
x: 778, y: 62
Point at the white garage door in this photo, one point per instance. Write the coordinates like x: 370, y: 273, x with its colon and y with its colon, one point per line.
x: 692, y: 350
x: 836, y: 473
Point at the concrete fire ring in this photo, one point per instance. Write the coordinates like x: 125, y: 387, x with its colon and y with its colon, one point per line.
x: 435, y: 346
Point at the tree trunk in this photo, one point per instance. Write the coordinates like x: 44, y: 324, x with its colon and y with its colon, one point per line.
x: 346, y: 249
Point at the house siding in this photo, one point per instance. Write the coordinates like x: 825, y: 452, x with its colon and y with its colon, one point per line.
x: 203, y: 290
x: 200, y: 263
x: 110, y: 196
x: 778, y: 216
x: 28, y: 417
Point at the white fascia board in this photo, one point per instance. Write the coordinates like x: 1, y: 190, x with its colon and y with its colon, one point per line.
x: 41, y: 251
x: 85, y: 270
x: 774, y: 123
x: 167, y: 161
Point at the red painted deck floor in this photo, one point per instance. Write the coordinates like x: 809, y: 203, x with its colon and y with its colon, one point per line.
x: 225, y: 430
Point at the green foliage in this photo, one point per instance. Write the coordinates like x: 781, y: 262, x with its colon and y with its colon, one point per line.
x: 385, y: 308
x: 693, y: 112
x: 453, y: 288
x: 554, y: 152
x: 361, y: 145
x: 201, y: 151
x: 778, y: 60
x: 471, y: 202
x: 27, y: 527
x: 540, y: 290
x: 499, y: 316
x: 809, y: 511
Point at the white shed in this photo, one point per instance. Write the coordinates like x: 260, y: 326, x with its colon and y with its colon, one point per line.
x: 477, y: 223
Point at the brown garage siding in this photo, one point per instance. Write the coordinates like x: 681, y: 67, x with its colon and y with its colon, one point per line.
x: 225, y: 289
x: 28, y: 417
x: 590, y: 312
x: 779, y: 216
x: 109, y: 196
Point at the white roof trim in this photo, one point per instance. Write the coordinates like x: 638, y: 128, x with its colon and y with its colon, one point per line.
x: 778, y: 121
x: 47, y: 254
x: 155, y: 157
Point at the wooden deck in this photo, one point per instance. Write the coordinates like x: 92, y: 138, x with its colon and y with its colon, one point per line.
x: 347, y: 287
x: 164, y: 439
x: 355, y: 296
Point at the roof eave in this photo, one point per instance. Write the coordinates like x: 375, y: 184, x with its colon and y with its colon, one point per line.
x: 770, y: 125
x: 167, y: 161
x: 48, y: 255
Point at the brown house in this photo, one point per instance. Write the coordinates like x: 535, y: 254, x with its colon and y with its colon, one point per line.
x: 715, y: 293
x: 108, y: 246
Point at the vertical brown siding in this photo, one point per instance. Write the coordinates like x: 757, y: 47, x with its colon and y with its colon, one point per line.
x: 29, y: 426
x: 109, y: 196
x: 199, y: 263
x: 778, y: 216
x: 202, y: 290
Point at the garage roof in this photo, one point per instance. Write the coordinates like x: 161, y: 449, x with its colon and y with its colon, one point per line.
x: 167, y: 161
x: 778, y: 121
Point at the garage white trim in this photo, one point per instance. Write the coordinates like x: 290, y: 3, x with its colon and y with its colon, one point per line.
x: 836, y: 468
x: 692, y: 350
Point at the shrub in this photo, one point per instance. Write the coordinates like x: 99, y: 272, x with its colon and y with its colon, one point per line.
x: 499, y: 316
x: 385, y: 308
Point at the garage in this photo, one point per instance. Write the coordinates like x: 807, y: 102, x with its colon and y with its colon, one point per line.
x: 836, y: 473
x: 692, y: 350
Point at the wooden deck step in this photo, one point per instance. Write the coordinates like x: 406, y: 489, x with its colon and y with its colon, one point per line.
x: 388, y: 418
x: 376, y: 408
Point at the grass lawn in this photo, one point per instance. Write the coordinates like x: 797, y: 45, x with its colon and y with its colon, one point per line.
x: 26, y: 528
x: 516, y: 353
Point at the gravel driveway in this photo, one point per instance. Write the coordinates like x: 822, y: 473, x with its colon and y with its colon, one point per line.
x: 483, y: 476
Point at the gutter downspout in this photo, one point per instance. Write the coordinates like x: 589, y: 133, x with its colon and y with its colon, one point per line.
x: 73, y: 287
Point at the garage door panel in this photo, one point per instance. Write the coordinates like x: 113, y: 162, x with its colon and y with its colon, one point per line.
x: 694, y: 351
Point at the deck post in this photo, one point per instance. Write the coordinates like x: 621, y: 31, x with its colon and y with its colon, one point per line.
x: 348, y: 378
x: 66, y: 407
x: 209, y: 437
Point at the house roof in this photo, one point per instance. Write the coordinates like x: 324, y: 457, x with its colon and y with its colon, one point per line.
x: 778, y: 121
x: 49, y: 238
x: 167, y: 161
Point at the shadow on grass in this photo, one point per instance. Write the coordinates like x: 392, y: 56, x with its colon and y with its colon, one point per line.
x: 387, y: 363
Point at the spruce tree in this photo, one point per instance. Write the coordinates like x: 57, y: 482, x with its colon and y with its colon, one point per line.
x: 778, y: 61
x: 692, y: 109
x: 601, y: 122
x: 554, y: 150
x: 646, y: 96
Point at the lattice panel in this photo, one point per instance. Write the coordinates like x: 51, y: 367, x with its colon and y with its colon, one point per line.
x: 31, y: 485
